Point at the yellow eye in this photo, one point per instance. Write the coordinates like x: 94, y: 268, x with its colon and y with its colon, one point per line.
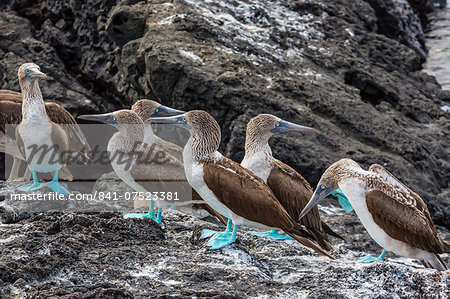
x: 27, y: 71
x: 277, y: 124
x: 157, y: 109
x: 322, y: 186
x: 184, y: 119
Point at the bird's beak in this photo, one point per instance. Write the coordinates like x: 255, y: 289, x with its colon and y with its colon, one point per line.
x: 179, y: 120
x: 317, y: 197
x: 163, y: 111
x: 285, y: 126
x: 36, y: 74
x: 107, y: 118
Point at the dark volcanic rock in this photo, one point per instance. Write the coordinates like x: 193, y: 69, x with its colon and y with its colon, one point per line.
x: 340, y: 68
x: 103, y: 255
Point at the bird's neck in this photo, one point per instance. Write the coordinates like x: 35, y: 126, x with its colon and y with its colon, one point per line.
x: 199, y: 148
x: 257, y: 146
x: 149, y: 137
x: 33, y: 106
x: 128, y: 140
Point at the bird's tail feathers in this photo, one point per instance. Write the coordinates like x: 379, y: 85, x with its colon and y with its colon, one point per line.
x: 330, y: 232
x: 302, y: 236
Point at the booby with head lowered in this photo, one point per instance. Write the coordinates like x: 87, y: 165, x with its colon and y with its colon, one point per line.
x: 395, y: 216
x: 146, y: 109
x: 11, y: 107
x: 146, y: 169
x: 290, y: 188
x: 230, y: 189
x: 43, y: 143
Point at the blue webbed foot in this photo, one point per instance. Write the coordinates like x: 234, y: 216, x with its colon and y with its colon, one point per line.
x: 222, y: 239
x: 209, y: 232
x: 57, y: 187
x: 272, y: 234
x: 30, y: 187
x: 370, y: 259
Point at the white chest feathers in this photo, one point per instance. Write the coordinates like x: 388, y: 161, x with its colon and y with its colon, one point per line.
x: 259, y: 163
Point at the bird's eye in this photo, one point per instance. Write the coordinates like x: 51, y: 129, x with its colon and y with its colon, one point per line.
x: 27, y: 71
x: 277, y: 124
x: 322, y: 186
x: 184, y: 119
x: 157, y: 109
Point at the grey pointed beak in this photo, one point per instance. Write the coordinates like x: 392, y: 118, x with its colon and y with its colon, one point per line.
x: 37, y: 74
x: 179, y: 120
x: 107, y: 118
x: 317, y: 197
x: 163, y: 111
x: 285, y: 126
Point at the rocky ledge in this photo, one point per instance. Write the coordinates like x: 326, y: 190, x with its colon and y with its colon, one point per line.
x: 105, y: 256
x: 351, y: 71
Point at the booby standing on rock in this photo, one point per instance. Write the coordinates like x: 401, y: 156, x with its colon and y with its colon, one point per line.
x: 143, y: 177
x: 147, y: 109
x: 395, y: 217
x: 11, y: 107
x: 290, y: 188
x: 229, y: 188
x: 37, y: 131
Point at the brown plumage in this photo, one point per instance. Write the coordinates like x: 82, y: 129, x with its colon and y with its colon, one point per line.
x: 11, y: 107
x: 238, y: 193
x: 145, y: 109
x: 289, y: 187
x: 398, y: 211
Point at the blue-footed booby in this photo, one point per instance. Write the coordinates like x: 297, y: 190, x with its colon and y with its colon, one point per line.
x: 143, y: 177
x: 11, y: 107
x: 146, y: 109
x: 290, y: 188
x: 395, y: 216
x: 230, y: 189
x: 43, y: 143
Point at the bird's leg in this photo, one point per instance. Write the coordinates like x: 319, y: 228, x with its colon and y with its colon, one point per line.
x: 150, y: 214
x: 222, y: 239
x: 56, y: 186
x: 31, y: 187
x: 369, y: 259
x: 14, y: 174
x: 159, y: 216
x: 272, y: 234
x: 209, y: 232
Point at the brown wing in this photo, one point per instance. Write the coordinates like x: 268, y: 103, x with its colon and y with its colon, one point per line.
x: 403, y: 222
x: 170, y: 148
x: 10, y: 95
x: 245, y: 194
x: 406, y: 192
x: 158, y: 171
x: 11, y: 113
x: 294, y: 192
x: 77, y: 140
x: 19, y: 142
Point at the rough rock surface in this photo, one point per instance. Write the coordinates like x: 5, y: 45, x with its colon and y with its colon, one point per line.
x: 104, y: 255
x: 338, y: 68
